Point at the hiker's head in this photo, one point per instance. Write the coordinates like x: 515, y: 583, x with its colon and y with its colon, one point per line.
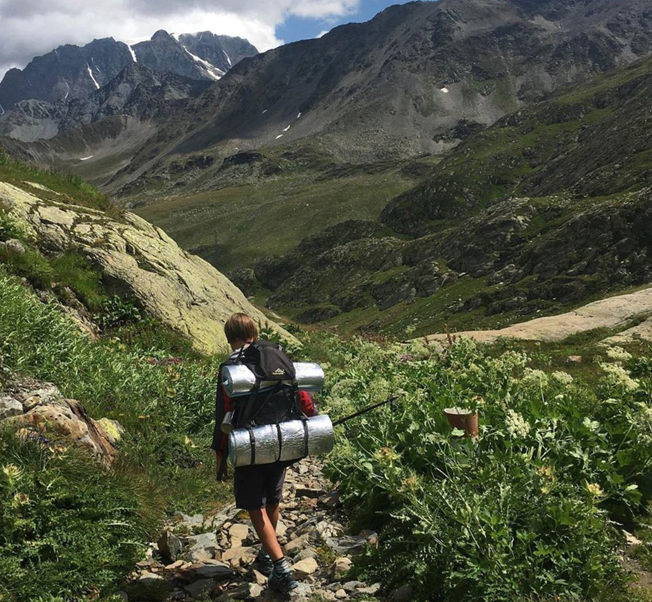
x: 240, y: 329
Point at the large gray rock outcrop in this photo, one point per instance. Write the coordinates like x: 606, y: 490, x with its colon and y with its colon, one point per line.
x: 140, y: 261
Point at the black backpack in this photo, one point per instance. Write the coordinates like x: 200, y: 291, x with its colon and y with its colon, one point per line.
x: 280, y: 403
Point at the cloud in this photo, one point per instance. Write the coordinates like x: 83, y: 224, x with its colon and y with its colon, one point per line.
x: 30, y: 28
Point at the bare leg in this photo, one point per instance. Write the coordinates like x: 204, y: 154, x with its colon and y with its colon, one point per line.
x: 266, y: 532
x: 273, y: 514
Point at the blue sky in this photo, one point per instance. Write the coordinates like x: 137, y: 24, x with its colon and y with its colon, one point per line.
x: 298, y: 28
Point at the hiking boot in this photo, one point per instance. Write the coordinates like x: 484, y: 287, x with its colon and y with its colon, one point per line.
x: 282, y: 579
x: 263, y: 563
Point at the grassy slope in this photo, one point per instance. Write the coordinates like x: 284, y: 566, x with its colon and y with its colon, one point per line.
x: 235, y: 225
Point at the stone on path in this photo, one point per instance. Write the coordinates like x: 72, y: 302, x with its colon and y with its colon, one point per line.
x: 304, y: 568
x: 170, y: 546
x: 203, y: 547
x: 239, y: 556
x: 200, y: 588
x: 239, y: 531
x: 341, y: 567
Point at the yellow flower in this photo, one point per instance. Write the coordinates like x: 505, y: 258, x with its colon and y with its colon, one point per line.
x: 547, y: 472
x: 595, y: 489
x: 12, y: 471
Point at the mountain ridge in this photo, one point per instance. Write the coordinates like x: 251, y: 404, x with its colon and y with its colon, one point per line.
x: 70, y: 72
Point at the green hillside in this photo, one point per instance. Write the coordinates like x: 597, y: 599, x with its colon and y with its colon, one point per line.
x: 541, y: 212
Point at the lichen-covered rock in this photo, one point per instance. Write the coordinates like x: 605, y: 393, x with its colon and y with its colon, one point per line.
x: 68, y: 421
x: 141, y: 261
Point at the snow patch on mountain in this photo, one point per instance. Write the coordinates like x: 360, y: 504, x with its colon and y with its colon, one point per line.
x: 133, y: 53
x: 97, y: 86
x: 210, y: 70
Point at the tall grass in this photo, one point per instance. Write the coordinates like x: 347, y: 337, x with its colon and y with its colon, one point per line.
x: 166, y: 405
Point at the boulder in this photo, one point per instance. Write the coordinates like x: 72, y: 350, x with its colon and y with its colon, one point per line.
x: 67, y: 420
x: 140, y: 261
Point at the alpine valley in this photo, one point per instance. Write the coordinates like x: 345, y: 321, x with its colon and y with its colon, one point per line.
x: 461, y: 167
x: 455, y: 163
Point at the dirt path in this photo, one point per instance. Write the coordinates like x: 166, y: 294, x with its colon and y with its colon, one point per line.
x: 199, y: 557
x: 614, y: 312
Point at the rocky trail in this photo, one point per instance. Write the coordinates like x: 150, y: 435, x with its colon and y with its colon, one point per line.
x: 209, y: 557
x: 614, y: 313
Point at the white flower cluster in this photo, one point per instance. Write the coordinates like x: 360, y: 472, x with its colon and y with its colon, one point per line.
x: 535, y: 377
x: 592, y: 425
x: 516, y: 425
x: 618, y: 354
x: 617, y: 376
x: 563, y: 378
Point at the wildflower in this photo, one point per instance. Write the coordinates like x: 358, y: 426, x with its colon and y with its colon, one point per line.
x: 386, y: 455
x: 617, y: 376
x: 547, y: 472
x: 516, y: 424
x: 592, y: 425
x: 563, y: 378
x: 618, y: 354
x: 594, y: 489
x: 535, y: 377
x: 12, y: 471
x: 21, y: 499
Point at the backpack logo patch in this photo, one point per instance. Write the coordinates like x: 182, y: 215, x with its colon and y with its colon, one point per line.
x: 279, y: 372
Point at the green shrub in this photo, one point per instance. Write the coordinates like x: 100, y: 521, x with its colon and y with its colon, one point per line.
x: 116, y: 312
x: 521, y: 513
x: 67, y: 526
x: 10, y: 228
x: 74, y: 270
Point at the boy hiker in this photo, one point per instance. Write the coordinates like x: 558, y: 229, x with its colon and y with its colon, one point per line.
x: 258, y: 488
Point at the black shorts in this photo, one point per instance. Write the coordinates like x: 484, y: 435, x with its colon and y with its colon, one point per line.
x: 258, y: 486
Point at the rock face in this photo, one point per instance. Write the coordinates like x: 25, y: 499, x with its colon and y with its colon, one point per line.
x: 136, y: 92
x: 411, y: 80
x: 71, y: 72
x: 142, y: 262
x: 612, y: 313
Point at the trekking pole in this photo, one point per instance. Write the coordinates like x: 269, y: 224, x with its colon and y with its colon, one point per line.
x: 391, y: 399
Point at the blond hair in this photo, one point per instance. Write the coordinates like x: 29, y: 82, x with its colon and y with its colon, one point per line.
x: 240, y: 327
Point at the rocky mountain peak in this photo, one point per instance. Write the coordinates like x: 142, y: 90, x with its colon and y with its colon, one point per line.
x: 161, y: 34
x: 70, y: 72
